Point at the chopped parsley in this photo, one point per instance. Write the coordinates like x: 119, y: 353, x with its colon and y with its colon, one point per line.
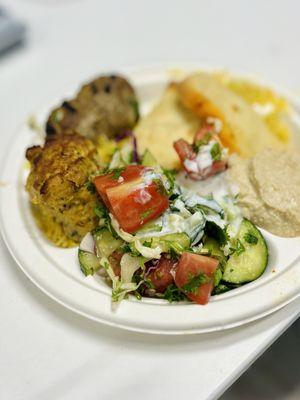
x: 216, y: 152
x: 194, y: 282
x: 250, y: 238
x: 170, y: 174
x: 147, y: 244
x: 90, y: 187
x: 173, y: 293
x: 240, y: 248
x: 100, y: 210
x: 117, y: 172
x: 130, y: 248
x: 205, y: 140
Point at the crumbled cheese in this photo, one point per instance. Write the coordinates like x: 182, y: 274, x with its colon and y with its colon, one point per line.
x: 191, y: 165
x: 204, y: 158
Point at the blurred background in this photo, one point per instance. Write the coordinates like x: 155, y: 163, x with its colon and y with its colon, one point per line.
x: 46, y: 45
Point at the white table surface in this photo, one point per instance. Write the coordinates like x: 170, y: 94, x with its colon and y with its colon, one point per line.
x: 46, y: 351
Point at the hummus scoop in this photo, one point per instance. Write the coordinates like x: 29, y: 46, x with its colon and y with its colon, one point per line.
x: 269, y: 190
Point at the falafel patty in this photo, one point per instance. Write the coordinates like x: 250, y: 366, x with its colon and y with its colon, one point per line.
x: 58, y: 187
x: 105, y: 106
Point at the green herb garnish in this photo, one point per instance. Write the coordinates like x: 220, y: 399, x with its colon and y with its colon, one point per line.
x: 205, y: 140
x: 100, y: 210
x: 117, y: 172
x: 170, y: 174
x: 147, y: 244
x: 90, y: 187
x: 194, y: 282
x: 250, y: 238
x: 130, y: 248
x: 173, y: 293
x: 149, y: 283
x: 216, y: 152
x: 240, y: 248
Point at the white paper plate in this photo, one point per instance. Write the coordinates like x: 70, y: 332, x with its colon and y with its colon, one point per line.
x: 56, y: 271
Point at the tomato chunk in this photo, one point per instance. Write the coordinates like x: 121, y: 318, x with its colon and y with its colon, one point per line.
x: 131, y: 198
x: 190, y: 268
x: 115, y: 262
x: 206, y: 129
x: 184, y: 150
x: 161, y: 276
x: 189, y: 157
x: 104, y: 182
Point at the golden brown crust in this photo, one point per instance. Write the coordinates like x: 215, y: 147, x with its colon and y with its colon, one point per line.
x: 57, y: 182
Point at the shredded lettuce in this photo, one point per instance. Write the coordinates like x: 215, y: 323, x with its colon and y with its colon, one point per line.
x: 120, y: 288
x: 129, y: 265
x: 146, y: 252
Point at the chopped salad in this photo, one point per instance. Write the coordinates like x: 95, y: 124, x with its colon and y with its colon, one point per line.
x: 157, y: 238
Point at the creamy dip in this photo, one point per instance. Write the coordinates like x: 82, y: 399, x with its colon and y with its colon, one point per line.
x: 269, y: 190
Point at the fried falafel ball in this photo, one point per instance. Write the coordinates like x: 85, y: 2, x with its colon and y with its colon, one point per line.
x: 58, y: 187
x: 106, y: 106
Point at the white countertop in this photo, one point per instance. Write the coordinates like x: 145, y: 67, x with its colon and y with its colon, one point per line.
x: 46, y: 351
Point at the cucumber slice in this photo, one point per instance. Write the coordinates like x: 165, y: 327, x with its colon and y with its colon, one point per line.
x: 216, y: 232
x: 172, y: 241
x: 148, y: 160
x: 150, y: 226
x: 178, y: 242
x: 89, y: 263
x: 212, y: 248
x: 105, y: 243
x: 248, y: 264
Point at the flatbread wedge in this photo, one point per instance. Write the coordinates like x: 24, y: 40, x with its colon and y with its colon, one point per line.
x: 243, y: 131
x: 167, y: 122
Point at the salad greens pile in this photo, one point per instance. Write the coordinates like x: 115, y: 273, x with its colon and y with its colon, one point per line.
x: 191, y: 247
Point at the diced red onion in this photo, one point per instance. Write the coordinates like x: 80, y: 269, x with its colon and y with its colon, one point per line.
x: 151, y: 266
x: 123, y: 135
x: 87, y: 243
x: 129, y: 134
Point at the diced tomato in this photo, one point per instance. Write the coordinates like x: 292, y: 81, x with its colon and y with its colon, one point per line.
x: 133, y: 208
x: 203, y: 131
x: 132, y: 201
x: 186, y: 153
x: 161, y: 277
x: 217, y: 166
x: 184, y: 150
x: 104, y: 182
x: 115, y: 259
x: 192, y: 265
